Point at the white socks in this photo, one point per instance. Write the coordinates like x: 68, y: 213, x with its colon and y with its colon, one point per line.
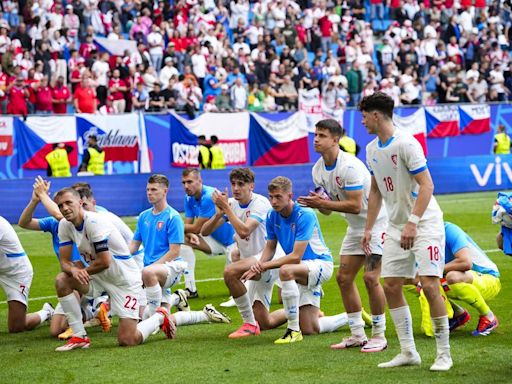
x: 290, y: 295
x: 71, y: 308
x: 190, y: 258
x: 378, y: 325
x: 332, y: 323
x: 403, y: 324
x: 150, y: 325
x: 154, y: 297
x: 356, y: 324
x: 442, y: 334
x: 245, y: 308
x: 191, y: 317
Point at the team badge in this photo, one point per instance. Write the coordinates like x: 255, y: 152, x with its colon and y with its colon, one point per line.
x: 159, y: 225
x: 394, y: 159
x: 339, y: 182
x: 247, y: 213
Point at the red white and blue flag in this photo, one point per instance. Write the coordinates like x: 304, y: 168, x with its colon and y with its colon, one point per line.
x: 35, y: 138
x: 442, y: 120
x: 278, y: 142
x: 475, y: 118
x: 118, y: 135
x: 6, y: 132
x: 415, y: 125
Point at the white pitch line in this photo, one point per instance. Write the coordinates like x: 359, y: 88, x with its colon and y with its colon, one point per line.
x: 199, y: 281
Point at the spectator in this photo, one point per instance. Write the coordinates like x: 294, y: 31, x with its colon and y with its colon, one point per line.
x: 238, y: 94
x: 355, y: 84
x: 43, y: 92
x: 100, y: 69
x: 85, y: 97
x: 170, y: 94
x: 223, y: 100
x: 156, y: 101
x: 156, y: 46
x: 18, y: 95
x: 60, y: 96
x: 288, y: 94
x: 109, y: 108
x: 167, y: 71
x: 255, y: 99
x: 209, y: 105
x: 140, y: 97
x: 117, y: 88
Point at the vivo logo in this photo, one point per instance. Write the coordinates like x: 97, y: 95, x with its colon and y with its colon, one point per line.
x: 497, y: 166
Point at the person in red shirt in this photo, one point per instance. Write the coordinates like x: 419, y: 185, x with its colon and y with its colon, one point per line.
x: 60, y: 96
x: 118, y: 88
x: 108, y: 108
x: 43, y: 95
x: 18, y: 95
x: 85, y: 98
x: 4, y: 82
x: 325, y: 25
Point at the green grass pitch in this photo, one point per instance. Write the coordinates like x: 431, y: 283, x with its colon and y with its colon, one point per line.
x: 204, y: 354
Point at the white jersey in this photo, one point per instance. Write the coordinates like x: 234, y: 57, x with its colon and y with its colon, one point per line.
x: 394, y: 165
x: 347, y: 174
x: 12, y: 254
x: 257, y: 209
x: 121, y: 226
x: 97, y: 228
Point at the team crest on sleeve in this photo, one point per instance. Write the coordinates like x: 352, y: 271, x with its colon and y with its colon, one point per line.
x: 394, y: 160
x: 339, y: 182
x: 159, y: 225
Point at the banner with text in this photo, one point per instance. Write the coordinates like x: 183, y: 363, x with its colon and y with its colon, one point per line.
x: 6, y: 132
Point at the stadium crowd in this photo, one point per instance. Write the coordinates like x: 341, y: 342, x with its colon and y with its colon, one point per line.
x: 252, y: 55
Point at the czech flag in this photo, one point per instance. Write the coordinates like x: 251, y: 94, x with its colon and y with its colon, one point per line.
x: 415, y: 125
x: 35, y: 138
x: 475, y: 118
x: 442, y: 120
x: 278, y: 142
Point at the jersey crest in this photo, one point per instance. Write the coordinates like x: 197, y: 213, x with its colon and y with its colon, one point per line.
x: 159, y: 225
x: 339, y: 182
x: 394, y: 159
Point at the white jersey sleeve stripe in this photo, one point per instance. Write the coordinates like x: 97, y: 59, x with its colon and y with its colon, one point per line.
x: 419, y: 170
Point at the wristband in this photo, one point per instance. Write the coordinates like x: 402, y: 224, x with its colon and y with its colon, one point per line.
x: 414, y: 219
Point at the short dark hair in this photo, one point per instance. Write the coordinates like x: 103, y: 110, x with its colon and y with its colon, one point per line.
x: 331, y: 125
x: 379, y: 102
x: 85, y: 193
x: 201, y: 137
x: 188, y: 171
x: 245, y: 175
x: 159, y: 179
x: 94, y: 137
x: 214, y: 139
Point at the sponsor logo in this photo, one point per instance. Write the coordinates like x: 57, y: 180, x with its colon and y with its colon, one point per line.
x: 498, y: 167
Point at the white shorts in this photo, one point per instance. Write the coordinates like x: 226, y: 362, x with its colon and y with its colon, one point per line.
x: 426, y: 256
x: 320, y: 271
x: 175, y: 269
x: 123, y: 283
x: 261, y: 290
x: 351, y: 244
x: 16, y: 284
x: 219, y: 249
x: 139, y: 258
